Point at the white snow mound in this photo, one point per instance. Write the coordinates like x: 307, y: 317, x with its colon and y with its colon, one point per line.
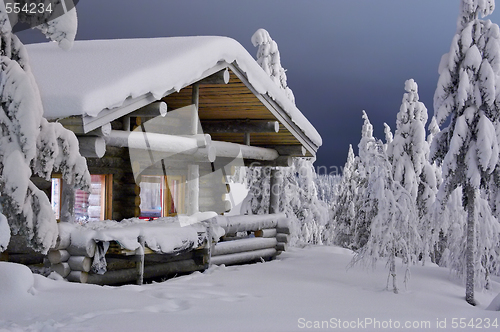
x: 16, y: 280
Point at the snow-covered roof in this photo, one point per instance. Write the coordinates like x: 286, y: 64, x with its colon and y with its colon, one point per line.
x: 102, y: 74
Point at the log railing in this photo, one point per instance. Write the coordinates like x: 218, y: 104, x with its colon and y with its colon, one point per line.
x: 248, y: 238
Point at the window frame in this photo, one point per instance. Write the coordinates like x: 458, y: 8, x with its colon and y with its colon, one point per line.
x: 106, y: 195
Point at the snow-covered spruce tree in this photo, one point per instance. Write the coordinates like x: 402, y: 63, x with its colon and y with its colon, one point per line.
x: 454, y: 224
x: 340, y: 231
x: 408, y: 150
x: 268, y: 57
x: 363, y: 210
x: 408, y: 153
x: 467, y: 95
x: 299, y: 199
x: 28, y: 143
x: 389, y: 137
x: 388, y: 211
x: 328, y: 186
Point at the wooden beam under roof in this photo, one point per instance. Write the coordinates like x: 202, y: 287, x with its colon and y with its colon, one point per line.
x: 241, y: 126
x: 237, y: 101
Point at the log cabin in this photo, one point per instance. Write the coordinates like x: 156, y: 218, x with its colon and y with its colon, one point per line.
x: 162, y: 122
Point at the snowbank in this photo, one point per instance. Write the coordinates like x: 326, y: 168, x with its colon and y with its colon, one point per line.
x: 99, y: 74
x: 301, y: 286
x: 16, y: 281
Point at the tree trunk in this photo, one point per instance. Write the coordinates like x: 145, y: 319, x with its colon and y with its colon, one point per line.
x: 392, y: 271
x: 471, y: 246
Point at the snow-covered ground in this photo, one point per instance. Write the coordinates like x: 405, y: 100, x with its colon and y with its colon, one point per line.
x: 303, y: 287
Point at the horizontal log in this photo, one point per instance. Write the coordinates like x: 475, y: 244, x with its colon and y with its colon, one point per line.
x: 75, y: 124
x: 126, y: 211
x: 281, y: 161
x: 119, y: 263
x: 87, y: 250
x: 157, y: 108
x: 289, y: 150
x: 283, y: 226
x: 58, y: 256
x: 92, y: 147
x: 220, y: 77
x: 62, y: 242
x: 242, y: 223
x: 106, y: 162
x: 18, y: 245
x: 62, y: 269
x: 78, y: 276
x: 269, y: 232
x: 130, y: 200
x: 127, y: 187
x: 161, y: 145
x: 80, y: 263
x: 117, y: 215
x: 284, y: 230
x: 282, y: 238
x: 249, y: 244
x: 233, y: 150
x: 26, y: 259
x: 233, y: 237
x: 117, y: 152
x: 166, y: 258
x: 243, y: 257
x: 281, y: 246
x: 240, y: 126
x: 41, y: 183
x: 151, y: 271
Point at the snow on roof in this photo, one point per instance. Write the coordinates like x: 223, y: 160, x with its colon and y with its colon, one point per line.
x: 101, y: 74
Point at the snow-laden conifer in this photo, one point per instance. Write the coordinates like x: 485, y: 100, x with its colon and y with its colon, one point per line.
x: 388, y: 136
x: 408, y: 153
x: 341, y: 231
x: 308, y: 215
x: 466, y: 95
x: 268, y: 57
x: 362, y: 205
x: 385, y: 229
x: 30, y: 145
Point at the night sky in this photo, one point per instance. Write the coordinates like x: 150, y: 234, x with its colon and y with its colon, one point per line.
x: 342, y: 56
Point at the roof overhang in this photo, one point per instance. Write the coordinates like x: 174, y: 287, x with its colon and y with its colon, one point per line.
x: 177, y: 99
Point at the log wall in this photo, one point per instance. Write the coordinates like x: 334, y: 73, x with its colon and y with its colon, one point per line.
x: 125, y: 193
x: 251, y: 238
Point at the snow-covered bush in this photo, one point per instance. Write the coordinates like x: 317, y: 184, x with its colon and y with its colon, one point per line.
x: 29, y: 145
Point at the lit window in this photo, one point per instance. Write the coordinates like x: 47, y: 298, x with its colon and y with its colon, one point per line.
x: 161, y: 196
x: 151, y: 196
x: 56, y: 197
x: 87, y: 206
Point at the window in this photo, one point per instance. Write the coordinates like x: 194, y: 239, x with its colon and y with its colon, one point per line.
x: 161, y: 196
x: 88, y: 207
x: 56, y: 197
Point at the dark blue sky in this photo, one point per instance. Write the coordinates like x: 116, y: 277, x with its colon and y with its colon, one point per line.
x: 342, y: 56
